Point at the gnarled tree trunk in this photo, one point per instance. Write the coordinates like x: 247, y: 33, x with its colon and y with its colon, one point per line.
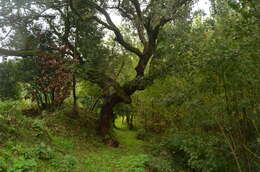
x: 107, y: 116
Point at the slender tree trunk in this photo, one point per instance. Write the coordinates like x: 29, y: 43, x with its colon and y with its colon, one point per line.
x: 52, y: 96
x: 129, y: 120
x: 95, y: 103
x: 74, y: 83
x: 132, y: 122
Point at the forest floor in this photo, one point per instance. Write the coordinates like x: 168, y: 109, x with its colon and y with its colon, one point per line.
x: 130, y: 156
x: 56, y: 143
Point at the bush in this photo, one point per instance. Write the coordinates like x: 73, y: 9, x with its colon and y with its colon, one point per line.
x: 43, y: 152
x: 191, y: 152
x: 67, y: 164
x: 159, y: 164
x: 22, y: 165
x: 8, y: 106
x: 8, y: 115
x: 3, y: 164
x: 38, y: 127
x: 133, y: 163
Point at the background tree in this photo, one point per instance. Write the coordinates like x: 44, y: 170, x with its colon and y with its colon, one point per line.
x: 9, y: 82
x: 211, y: 96
x: 48, y: 39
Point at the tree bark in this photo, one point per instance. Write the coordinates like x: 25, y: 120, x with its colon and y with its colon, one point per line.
x: 105, y: 123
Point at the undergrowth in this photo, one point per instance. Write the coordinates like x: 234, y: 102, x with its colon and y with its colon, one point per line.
x: 53, y: 141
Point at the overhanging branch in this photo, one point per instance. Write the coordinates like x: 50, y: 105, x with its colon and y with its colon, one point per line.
x: 26, y: 53
x: 20, y: 53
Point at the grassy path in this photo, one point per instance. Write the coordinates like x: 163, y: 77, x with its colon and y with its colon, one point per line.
x: 129, y: 157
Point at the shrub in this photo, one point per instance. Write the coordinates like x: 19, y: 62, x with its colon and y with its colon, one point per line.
x: 67, y: 164
x: 8, y: 106
x: 43, y: 152
x: 191, y: 152
x: 133, y: 163
x: 48, y: 80
x: 158, y: 164
x: 38, y: 126
x: 21, y: 164
x: 3, y: 164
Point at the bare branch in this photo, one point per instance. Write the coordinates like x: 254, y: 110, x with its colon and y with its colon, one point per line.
x: 137, y: 9
x: 6, y: 35
x: 139, y: 21
x: 111, y: 26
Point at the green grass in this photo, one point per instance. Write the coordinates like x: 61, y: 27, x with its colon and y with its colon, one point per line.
x: 129, y: 157
x: 55, y: 143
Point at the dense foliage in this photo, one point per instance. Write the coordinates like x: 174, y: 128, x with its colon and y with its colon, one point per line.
x: 9, y: 82
x: 174, y: 89
x: 47, y: 79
